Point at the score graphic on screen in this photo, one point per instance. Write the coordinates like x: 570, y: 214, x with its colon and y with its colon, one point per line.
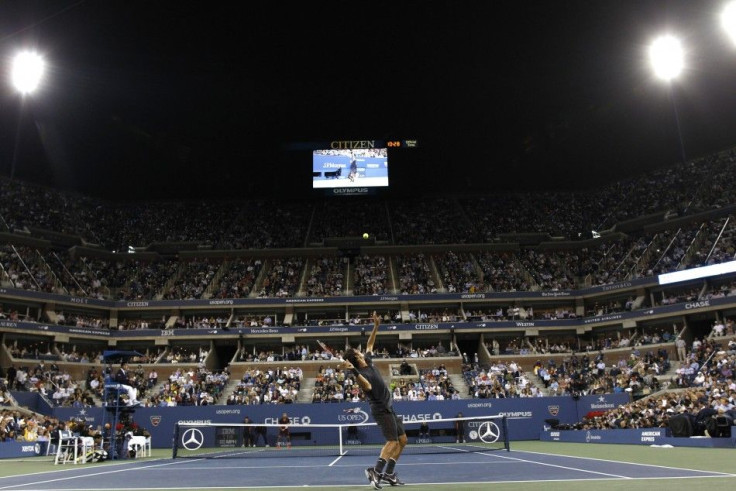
x: 348, y: 168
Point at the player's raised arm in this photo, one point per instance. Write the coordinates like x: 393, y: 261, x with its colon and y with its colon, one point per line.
x: 374, y: 332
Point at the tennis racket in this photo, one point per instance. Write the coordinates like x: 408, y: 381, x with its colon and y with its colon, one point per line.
x: 326, y: 348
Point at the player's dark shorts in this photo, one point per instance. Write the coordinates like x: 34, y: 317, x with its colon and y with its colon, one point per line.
x: 392, y: 427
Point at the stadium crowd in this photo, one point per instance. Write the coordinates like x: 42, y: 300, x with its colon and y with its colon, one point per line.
x: 697, y: 190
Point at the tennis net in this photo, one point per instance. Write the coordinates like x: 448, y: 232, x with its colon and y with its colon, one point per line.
x: 233, y: 440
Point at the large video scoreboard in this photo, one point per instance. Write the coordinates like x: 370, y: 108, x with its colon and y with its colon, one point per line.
x: 353, y: 167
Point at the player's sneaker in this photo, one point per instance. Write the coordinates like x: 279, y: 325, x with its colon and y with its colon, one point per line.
x: 393, y: 479
x: 374, y: 478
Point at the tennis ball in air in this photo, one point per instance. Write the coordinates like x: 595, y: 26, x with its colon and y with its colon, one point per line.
x: 365, y: 235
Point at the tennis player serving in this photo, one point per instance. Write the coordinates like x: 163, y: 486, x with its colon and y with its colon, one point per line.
x: 379, y: 397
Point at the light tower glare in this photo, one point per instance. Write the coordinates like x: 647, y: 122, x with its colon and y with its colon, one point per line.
x: 666, y: 57
x: 728, y: 20
x: 27, y: 71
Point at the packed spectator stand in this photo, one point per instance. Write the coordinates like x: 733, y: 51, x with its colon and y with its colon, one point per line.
x: 579, y: 254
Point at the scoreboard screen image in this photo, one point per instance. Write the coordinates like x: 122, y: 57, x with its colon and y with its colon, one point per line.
x: 349, y: 168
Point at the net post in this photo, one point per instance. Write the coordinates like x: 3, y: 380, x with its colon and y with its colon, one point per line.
x: 505, y: 424
x: 175, y: 442
x: 339, y: 436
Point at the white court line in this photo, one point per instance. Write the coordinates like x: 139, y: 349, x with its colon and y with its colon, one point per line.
x: 102, y: 473
x: 362, y: 466
x: 562, y: 467
x: 75, y: 468
x: 722, y: 474
x: 24, y: 487
x: 342, y: 486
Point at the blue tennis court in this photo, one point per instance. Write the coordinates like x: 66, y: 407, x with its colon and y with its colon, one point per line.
x: 416, y: 470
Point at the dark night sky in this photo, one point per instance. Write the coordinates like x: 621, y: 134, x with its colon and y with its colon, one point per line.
x: 197, y: 99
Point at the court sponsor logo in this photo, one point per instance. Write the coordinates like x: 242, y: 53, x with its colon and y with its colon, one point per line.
x: 192, y: 439
x: 472, y: 295
x: 227, y: 411
x: 155, y: 420
x: 555, y: 294
x: 480, y: 404
x: 487, y: 432
x: 608, y: 288
x: 295, y: 420
x: 589, y: 437
x: 553, y: 410
x: 650, y: 436
x: 83, y: 415
x: 602, y: 406
x: 697, y: 305
x: 354, y: 415
x: 407, y: 418
x: 516, y: 414
x: 136, y: 304
x: 88, y: 331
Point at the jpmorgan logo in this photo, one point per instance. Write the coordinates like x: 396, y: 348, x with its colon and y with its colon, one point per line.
x: 488, y: 432
x: 192, y: 439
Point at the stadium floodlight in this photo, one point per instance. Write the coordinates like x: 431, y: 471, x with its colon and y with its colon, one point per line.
x: 666, y: 57
x: 27, y: 71
x: 728, y: 20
